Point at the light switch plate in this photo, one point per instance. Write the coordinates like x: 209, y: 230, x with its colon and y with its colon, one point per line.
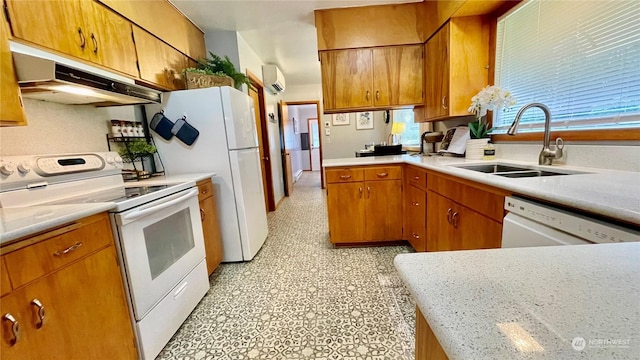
x: 327, y: 132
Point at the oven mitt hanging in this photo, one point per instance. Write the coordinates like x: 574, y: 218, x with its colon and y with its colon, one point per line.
x: 184, y: 131
x: 161, y: 125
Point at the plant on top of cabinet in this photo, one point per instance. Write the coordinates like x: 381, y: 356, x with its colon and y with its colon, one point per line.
x: 219, y: 72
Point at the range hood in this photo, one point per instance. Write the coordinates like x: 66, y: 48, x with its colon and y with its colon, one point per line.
x: 49, y: 77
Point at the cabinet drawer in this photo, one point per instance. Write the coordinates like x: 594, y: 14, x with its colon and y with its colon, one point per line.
x: 205, y: 189
x: 32, y: 262
x: 344, y: 175
x: 483, y: 201
x: 383, y: 173
x: 416, y: 176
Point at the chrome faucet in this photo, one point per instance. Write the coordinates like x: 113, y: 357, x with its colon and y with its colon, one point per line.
x: 546, y: 155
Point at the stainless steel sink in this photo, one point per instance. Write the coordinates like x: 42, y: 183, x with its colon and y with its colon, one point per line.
x: 514, y: 171
x: 530, y: 173
x: 493, y: 168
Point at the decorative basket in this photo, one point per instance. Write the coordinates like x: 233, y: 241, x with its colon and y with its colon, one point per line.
x: 199, y: 81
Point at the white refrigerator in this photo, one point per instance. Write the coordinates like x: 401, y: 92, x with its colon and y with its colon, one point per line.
x: 228, y: 146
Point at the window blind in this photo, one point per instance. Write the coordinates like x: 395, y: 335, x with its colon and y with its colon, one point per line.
x: 580, y: 58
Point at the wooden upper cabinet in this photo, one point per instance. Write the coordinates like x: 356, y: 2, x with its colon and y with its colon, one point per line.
x: 11, y: 110
x: 110, y: 39
x: 456, y: 67
x: 161, y: 18
x: 372, y: 78
x: 160, y: 64
x: 347, y: 78
x: 79, y: 28
x: 57, y: 25
x: 398, y: 75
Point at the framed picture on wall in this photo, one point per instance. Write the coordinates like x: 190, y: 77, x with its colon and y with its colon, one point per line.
x: 364, y: 120
x: 340, y: 119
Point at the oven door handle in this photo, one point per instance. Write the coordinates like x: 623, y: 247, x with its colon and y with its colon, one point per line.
x: 168, y: 201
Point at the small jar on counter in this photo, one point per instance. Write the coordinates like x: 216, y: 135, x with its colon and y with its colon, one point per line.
x: 489, y: 151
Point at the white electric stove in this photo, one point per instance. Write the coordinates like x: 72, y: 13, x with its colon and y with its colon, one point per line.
x: 157, y: 228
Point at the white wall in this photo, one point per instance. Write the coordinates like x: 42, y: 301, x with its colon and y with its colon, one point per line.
x: 56, y: 128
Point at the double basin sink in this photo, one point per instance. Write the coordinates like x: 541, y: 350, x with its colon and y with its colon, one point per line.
x: 514, y: 171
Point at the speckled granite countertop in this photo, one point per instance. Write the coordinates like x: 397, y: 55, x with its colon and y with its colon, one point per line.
x: 530, y: 303
x: 615, y: 194
x: 22, y: 221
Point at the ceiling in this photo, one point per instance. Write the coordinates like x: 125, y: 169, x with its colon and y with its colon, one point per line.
x: 280, y: 32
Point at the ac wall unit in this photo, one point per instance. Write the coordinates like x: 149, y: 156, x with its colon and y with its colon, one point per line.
x: 273, y: 78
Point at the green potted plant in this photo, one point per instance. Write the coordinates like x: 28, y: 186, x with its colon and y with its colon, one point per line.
x: 489, y: 98
x: 214, y: 71
x: 138, y: 150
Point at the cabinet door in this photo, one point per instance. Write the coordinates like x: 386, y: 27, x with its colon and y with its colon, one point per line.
x: 160, y: 64
x: 345, y: 206
x: 383, y: 210
x: 347, y: 78
x: 397, y: 75
x: 211, y: 232
x: 416, y: 209
x: 86, y: 297
x: 437, y: 74
x: 440, y: 232
x: 11, y: 111
x: 109, y: 38
x: 56, y: 25
x: 475, y: 231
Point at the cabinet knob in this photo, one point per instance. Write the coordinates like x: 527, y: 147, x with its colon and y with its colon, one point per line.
x: 40, y: 312
x: 415, y: 236
x: 15, y: 328
x: 416, y: 178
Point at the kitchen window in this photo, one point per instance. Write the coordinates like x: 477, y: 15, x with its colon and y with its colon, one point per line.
x: 411, y: 134
x: 580, y: 58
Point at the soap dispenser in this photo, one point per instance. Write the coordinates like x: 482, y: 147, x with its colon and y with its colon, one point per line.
x: 489, y: 151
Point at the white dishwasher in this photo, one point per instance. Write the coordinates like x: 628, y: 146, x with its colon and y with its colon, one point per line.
x: 530, y: 223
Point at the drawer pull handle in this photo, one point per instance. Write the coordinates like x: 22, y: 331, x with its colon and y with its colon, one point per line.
x: 15, y: 328
x: 416, y: 178
x: 368, y: 191
x: 416, y: 203
x: 449, y: 215
x: 384, y: 174
x: 95, y: 43
x: 415, y: 236
x: 83, y: 41
x: 377, y: 95
x: 444, y: 100
x: 345, y: 177
x: 367, y: 96
x: 202, y: 214
x: 40, y: 314
x: 360, y: 190
x: 204, y: 192
x: 454, y: 218
x: 71, y: 248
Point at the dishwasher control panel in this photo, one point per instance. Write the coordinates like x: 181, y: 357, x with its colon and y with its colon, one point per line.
x: 582, y: 226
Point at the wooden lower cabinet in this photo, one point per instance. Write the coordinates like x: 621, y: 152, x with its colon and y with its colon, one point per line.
x: 364, y: 204
x: 415, y: 211
x: 78, y: 311
x: 458, y: 225
x: 210, y: 226
x: 427, y: 345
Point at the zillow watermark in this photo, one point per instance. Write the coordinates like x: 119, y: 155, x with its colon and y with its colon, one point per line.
x: 579, y: 343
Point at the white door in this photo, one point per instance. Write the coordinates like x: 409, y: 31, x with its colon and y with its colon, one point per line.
x: 247, y: 185
x: 239, y: 119
x: 161, y: 242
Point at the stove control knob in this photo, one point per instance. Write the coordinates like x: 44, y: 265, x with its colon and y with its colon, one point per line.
x: 24, y: 167
x: 118, y: 160
x: 7, y: 169
x: 110, y: 160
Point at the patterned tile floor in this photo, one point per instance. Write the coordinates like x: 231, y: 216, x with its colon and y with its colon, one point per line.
x: 302, y: 298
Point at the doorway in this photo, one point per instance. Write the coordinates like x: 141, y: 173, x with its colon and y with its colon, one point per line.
x: 256, y: 92
x: 293, y: 133
x: 314, y: 144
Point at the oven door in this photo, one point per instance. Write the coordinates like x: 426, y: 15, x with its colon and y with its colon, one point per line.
x: 161, y: 243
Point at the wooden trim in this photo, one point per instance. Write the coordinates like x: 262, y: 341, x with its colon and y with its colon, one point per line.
x: 280, y: 201
x: 574, y: 135
x: 254, y: 79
